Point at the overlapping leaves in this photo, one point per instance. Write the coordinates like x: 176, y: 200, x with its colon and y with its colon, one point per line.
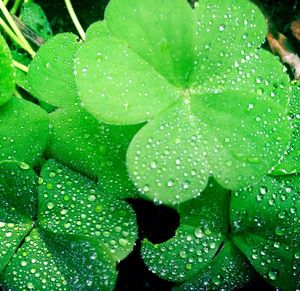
x: 212, y: 251
x: 199, y: 79
x: 77, y: 138
x: 72, y: 229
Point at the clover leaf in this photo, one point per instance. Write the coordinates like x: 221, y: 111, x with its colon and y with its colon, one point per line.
x: 290, y: 162
x: 24, y: 131
x: 197, y: 77
x: 18, y: 186
x: 266, y: 223
x: 75, y: 238
x: 200, y: 246
x: 76, y: 138
x: 219, y: 234
x: 7, y: 80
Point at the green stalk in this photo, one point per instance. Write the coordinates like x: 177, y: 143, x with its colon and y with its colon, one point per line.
x: 20, y: 66
x: 15, y: 7
x: 16, y: 29
x: 75, y: 19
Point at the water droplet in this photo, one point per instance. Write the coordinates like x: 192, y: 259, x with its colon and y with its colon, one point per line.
x: 222, y: 27
x: 50, y: 205
x: 273, y: 274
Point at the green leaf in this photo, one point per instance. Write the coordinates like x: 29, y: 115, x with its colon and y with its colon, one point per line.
x: 93, y: 148
x: 17, y: 206
x: 49, y: 72
x: 24, y: 131
x: 162, y: 32
x: 229, y: 270
x: 64, y: 262
x: 227, y: 115
x: 7, y: 73
x: 176, y: 152
x: 266, y: 224
x: 97, y: 30
x: 34, y: 17
x: 117, y: 86
x: 70, y: 203
x: 227, y: 31
x: 290, y: 163
x: 203, y: 228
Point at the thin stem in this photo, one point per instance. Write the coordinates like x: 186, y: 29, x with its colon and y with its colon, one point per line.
x: 17, y: 94
x: 75, y: 19
x: 5, y: 2
x: 15, y: 7
x: 20, y: 66
x: 11, y: 34
x: 16, y: 29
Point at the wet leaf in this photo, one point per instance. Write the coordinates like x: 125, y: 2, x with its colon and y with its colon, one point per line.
x: 24, y: 131
x: 18, y: 186
x: 75, y: 239
x: 34, y: 17
x: 266, y: 223
x: 201, y: 253
x: 97, y: 30
x: 76, y: 138
x: 70, y: 203
x: 7, y: 80
x: 224, y: 111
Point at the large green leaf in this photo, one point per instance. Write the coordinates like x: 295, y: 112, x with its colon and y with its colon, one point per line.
x: 266, y: 227
x: 24, y: 131
x: 17, y: 206
x: 7, y: 80
x: 226, y: 112
x: 70, y: 203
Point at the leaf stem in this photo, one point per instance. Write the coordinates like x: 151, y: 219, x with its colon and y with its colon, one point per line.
x: 20, y: 66
x: 13, y: 37
x: 5, y: 2
x: 16, y: 29
x: 75, y: 19
x: 15, y: 7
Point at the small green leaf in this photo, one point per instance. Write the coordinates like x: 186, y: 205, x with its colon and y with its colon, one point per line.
x: 70, y: 203
x: 34, y: 17
x: 229, y: 270
x: 64, y: 262
x: 117, y: 86
x: 24, y: 131
x: 17, y: 206
x: 7, y: 73
x: 266, y: 224
x: 203, y: 228
x: 97, y: 30
x: 49, y: 72
x: 163, y: 33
